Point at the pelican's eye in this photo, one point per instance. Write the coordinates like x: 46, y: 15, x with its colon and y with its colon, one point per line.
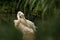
x: 20, y: 17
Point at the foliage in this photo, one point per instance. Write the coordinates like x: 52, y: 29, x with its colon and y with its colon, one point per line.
x: 44, y: 13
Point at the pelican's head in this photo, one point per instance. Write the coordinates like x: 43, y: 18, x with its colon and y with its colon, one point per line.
x: 20, y: 14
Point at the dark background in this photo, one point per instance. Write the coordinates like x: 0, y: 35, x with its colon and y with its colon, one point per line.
x: 44, y: 13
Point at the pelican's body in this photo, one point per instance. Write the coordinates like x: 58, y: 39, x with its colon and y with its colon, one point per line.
x: 25, y: 26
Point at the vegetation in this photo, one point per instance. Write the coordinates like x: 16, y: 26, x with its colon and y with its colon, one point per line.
x: 44, y: 13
